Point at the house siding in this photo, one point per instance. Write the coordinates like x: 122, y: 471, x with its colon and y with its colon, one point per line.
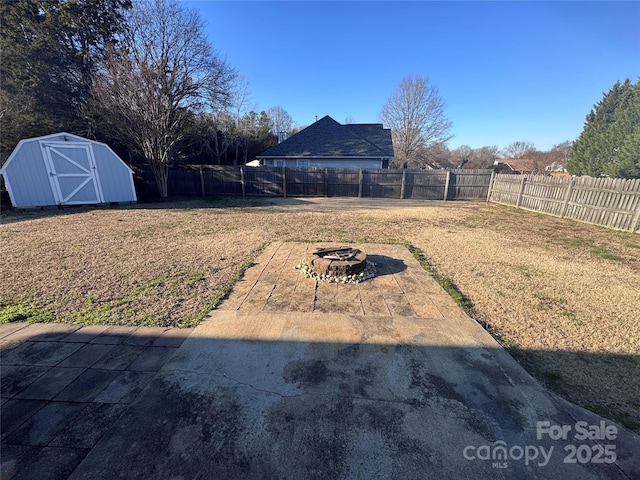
x: 329, y: 162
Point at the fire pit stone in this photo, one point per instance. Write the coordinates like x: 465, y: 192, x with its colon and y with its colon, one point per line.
x: 337, y: 261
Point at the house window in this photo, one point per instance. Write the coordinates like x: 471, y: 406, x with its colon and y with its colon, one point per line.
x: 302, y: 163
x: 278, y: 163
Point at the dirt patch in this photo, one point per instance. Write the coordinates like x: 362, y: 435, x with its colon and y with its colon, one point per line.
x: 562, y: 295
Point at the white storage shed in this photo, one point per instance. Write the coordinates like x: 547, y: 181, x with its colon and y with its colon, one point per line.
x: 65, y: 169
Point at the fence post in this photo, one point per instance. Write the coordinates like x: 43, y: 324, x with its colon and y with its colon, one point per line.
x: 567, y: 197
x: 360, y: 179
x: 635, y: 224
x: 404, y: 175
x: 522, y: 184
x: 284, y: 181
x: 490, y: 191
x: 446, y: 184
x: 202, y: 181
x: 242, y: 180
x: 326, y: 182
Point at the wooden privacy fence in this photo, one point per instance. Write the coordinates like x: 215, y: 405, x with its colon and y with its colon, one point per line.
x: 610, y: 202
x: 330, y: 182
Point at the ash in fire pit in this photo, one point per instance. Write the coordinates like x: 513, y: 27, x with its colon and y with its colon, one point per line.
x: 343, y: 264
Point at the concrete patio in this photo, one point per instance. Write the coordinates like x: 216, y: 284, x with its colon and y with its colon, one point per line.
x: 291, y: 378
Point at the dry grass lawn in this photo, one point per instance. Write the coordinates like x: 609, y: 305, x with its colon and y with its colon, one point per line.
x: 563, y: 297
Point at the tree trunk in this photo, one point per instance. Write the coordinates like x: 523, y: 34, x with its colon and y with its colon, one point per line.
x: 161, y: 173
x: 161, y: 182
x: 217, y: 148
x: 235, y: 159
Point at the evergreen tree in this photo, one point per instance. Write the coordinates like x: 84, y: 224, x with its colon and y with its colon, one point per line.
x: 49, y: 50
x: 610, y: 141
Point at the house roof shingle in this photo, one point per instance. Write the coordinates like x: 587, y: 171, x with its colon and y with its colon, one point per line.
x: 523, y: 165
x: 328, y: 138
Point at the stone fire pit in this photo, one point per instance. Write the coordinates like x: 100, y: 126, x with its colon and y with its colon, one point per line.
x: 341, y: 264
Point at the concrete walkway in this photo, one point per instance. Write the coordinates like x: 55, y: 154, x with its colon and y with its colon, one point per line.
x: 293, y: 379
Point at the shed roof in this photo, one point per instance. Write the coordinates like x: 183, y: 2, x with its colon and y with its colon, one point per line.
x: 61, y: 136
x: 328, y: 138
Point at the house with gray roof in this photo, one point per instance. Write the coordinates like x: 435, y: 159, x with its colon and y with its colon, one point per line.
x: 329, y: 144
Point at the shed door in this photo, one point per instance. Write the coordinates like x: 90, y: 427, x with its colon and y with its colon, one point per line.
x: 72, y: 170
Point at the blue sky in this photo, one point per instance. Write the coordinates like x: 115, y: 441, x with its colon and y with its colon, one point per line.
x: 507, y: 71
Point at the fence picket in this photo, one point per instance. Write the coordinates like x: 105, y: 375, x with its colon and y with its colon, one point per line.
x: 309, y: 181
x: 613, y: 203
x: 609, y: 202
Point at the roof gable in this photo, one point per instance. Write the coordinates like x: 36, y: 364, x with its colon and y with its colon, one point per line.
x: 522, y: 165
x: 328, y: 138
x: 58, y: 137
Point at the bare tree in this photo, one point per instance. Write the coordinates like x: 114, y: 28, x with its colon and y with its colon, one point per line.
x: 518, y: 149
x: 279, y: 121
x: 467, y: 157
x: 164, y: 71
x: 461, y: 155
x: 562, y: 149
x: 214, y: 133
x: 552, y: 160
x: 415, y: 114
x: 435, y: 156
x: 240, y: 104
x: 240, y: 97
x: 484, y: 157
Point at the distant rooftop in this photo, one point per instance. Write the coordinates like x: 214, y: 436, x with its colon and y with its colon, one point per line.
x: 328, y: 138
